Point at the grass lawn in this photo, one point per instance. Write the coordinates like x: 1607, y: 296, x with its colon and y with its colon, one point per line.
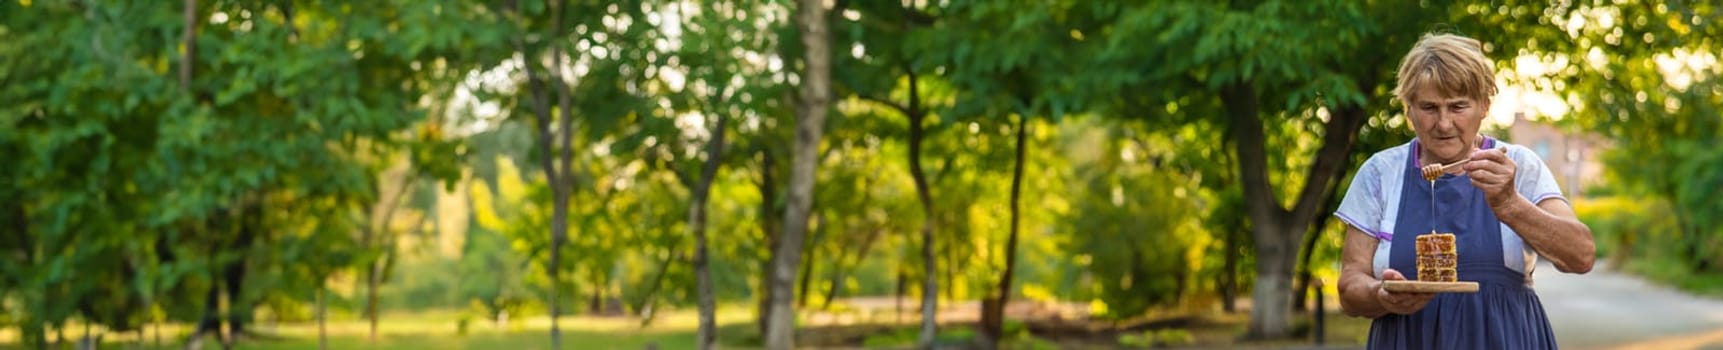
x: 439, y: 330
x: 675, y: 330
x: 536, y: 339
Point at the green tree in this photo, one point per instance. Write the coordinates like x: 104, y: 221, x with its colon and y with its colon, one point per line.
x: 1006, y: 60
x: 1643, y: 74
x: 604, y: 69
x: 885, y: 32
x: 172, y: 202
x: 1323, y: 65
x: 1138, y: 220
x: 723, y: 79
x: 813, y: 101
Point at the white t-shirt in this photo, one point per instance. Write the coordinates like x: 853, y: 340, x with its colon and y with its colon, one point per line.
x: 1372, y: 203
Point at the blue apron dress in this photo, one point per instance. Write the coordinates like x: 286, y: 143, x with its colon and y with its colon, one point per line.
x: 1504, y: 314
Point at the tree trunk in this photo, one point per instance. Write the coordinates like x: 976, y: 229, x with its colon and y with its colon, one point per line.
x: 1301, y: 292
x: 815, y: 93
x: 542, y: 116
x: 839, y: 266
x: 769, y: 229
x: 657, y: 278
x: 1229, y: 278
x: 564, y: 183
x: 239, y: 309
x: 87, y: 342
x: 375, y: 231
x: 839, y: 274
x: 1302, y: 298
x: 949, y: 270
x: 211, y: 321
x: 833, y: 276
x: 994, y: 327
x: 1276, y: 229
x: 707, y: 336
x: 805, y: 276
x: 594, y: 301
x: 765, y: 302
x: 808, y: 262
x: 902, y: 288
x: 1270, y: 302
x: 834, y: 281
x: 559, y: 234
x: 930, y: 268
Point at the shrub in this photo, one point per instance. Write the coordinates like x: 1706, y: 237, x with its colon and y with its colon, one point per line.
x: 1157, y: 338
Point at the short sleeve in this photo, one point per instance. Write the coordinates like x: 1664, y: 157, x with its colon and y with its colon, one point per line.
x: 1533, y: 178
x: 1363, y: 203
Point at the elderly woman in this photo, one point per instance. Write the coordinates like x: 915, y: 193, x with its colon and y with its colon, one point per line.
x: 1503, y: 207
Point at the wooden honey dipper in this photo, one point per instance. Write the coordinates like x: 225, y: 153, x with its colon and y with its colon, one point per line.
x: 1432, y: 171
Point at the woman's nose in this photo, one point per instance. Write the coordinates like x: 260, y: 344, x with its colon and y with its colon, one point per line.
x: 1447, y: 121
x: 1451, y: 117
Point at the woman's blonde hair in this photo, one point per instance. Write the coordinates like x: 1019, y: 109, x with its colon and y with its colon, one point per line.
x: 1455, y: 64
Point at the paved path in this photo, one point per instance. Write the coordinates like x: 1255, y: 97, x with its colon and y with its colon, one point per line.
x: 1605, y: 309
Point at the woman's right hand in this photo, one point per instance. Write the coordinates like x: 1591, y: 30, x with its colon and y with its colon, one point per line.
x: 1400, y: 303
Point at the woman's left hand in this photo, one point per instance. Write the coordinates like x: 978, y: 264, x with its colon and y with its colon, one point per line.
x: 1492, y: 171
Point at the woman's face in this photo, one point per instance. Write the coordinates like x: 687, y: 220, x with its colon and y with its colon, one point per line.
x: 1447, y: 127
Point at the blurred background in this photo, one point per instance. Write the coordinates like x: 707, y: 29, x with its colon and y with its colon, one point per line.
x: 529, y: 174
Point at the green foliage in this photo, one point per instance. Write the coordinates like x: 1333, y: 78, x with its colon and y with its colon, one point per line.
x: 293, y: 130
x: 1162, y: 338
x: 1643, y: 85
x: 1135, y: 222
x: 1624, y: 227
x: 905, y: 337
x: 1636, y: 235
x: 127, y: 165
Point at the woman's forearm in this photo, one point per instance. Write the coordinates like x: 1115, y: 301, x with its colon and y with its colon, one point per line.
x: 1553, y: 230
x: 1358, y: 296
x: 1357, y: 283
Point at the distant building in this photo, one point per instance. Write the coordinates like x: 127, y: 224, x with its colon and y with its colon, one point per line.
x: 1572, y: 158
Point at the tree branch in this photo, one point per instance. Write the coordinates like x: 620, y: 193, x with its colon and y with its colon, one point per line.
x: 682, y: 178
x: 1339, y: 134
x: 760, y: 181
x: 944, y: 165
x: 565, y: 110
x: 917, y: 18
x: 540, y: 103
x: 389, y: 209
x: 887, y: 102
x: 709, y: 171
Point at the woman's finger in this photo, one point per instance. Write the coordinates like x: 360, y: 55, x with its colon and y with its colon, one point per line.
x: 1392, y: 274
x: 1494, y: 155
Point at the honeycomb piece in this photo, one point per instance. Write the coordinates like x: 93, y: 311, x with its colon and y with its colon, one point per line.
x: 1437, y: 258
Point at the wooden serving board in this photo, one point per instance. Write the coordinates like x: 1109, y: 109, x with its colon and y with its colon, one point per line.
x: 1430, y: 287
